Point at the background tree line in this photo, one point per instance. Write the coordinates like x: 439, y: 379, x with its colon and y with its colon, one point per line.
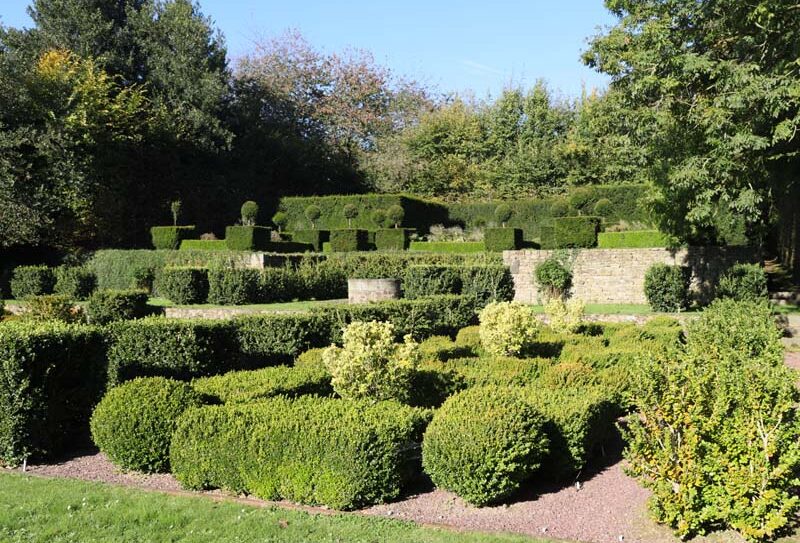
x: 110, y: 109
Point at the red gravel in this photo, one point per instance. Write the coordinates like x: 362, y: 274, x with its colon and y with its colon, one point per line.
x: 793, y: 360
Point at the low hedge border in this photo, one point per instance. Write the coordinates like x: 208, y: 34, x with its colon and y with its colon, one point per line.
x: 633, y: 239
x: 170, y: 237
x: 249, y: 386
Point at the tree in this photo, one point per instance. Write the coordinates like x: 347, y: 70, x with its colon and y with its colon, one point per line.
x: 713, y: 86
x: 280, y: 219
x: 350, y: 212
x: 503, y: 214
x: 175, y: 208
x: 395, y: 214
x: 312, y: 213
x: 249, y: 213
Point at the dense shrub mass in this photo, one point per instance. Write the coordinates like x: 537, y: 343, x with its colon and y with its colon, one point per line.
x: 393, y: 239
x: 134, y: 422
x: 427, y: 280
x: 52, y: 307
x: 507, y: 328
x: 483, y: 443
x: 313, y: 237
x: 76, y: 283
x: 276, y: 339
x: 51, y: 376
x: 743, y: 282
x: 32, y: 281
x: 553, y: 276
x: 349, y: 239
x: 576, y: 231
x: 105, y: 306
x: 719, y: 440
x: 502, y: 239
x: 170, y: 237
x: 448, y: 247
x: 485, y: 282
x: 248, y: 386
x: 247, y: 238
x: 204, y: 245
x: 343, y: 454
x: 233, y: 286
x: 564, y: 317
x: 667, y: 287
x: 370, y: 365
x: 183, y: 285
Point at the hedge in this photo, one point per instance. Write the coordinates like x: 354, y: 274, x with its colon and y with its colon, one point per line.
x: 170, y: 237
x: 457, y: 247
x: 667, y: 287
x: 237, y: 286
x: 426, y: 280
x: 76, y: 283
x: 249, y: 386
x: 204, y: 245
x: 578, y: 232
x: 338, y: 453
x: 633, y: 239
x: 180, y: 349
x: 547, y: 237
x: 393, y: 239
x: 275, y: 339
x: 183, y: 285
x: 32, y: 281
x: 743, y: 282
x: 247, y: 238
x: 313, y: 237
x: 502, y: 239
x: 375, y: 265
x: 105, y: 306
x: 485, y: 282
x: 349, y: 240
x: 51, y: 376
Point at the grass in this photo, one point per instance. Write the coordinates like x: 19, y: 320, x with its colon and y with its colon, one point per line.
x: 303, y: 305
x: 610, y: 309
x: 34, y: 509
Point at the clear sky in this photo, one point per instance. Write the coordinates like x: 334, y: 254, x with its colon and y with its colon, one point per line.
x: 468, y: 45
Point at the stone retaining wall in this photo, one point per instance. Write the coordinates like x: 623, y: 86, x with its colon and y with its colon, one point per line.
x: 360, y: 291
x: 616, y: 276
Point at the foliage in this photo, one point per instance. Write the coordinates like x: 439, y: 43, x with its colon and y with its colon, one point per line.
x: 170, y: 237
x: 603, y: 207
x: 233, y: 286
x: 426, y: 280
x: 105, y: 306
x: 50, y: 379
x: 564, y: 317
x: 350, y: 212
x: 175, y: 208
x: 349, y: 240
x: 32, y: 281
x: 249, y: 213
x: 133, y: 424
x: 395, y: 215
x: 455, y: 247
x: 483, y: 444
x: 393, y: 239
x: 487, y: 283
x: 576, y: 231
x: 503, y: 213
x: 52, y: 307
x: 667, y: 287
x: 554, y: 276
x: 370, y: 365
x: 507, y: 328
x: 183, y: 285
x: 718, y: 440
x: 281, y: 220
x: 247, y: 238
x: 312, y: 213
x: 349, y: 454
x: 75, y: 282
x: 314, y: 237
x: 204, y: 245
x: 248, y: 386
x: 265, y: 340
x: 633, y: 239
x: 502, y: 239
x: 743, y: 282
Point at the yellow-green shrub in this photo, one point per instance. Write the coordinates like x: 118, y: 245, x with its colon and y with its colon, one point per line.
x: 507, y: 328
x: 565, y: 317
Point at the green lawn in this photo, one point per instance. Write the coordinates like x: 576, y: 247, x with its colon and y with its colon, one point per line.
x: 285, y: 306
x: 610, y: 309
x: 33, y: 509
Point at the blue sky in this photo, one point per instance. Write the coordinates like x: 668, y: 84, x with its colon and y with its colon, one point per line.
x: 477, y: 46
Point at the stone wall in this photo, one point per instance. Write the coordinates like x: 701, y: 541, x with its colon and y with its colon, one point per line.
x: 361, y: 291
x: 616, y: 276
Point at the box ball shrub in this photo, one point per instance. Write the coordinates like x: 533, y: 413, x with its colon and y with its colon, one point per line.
x: 603, y: 207
x: 395, y: 215
x: 77, y: 283
x: 370, y: 364
x: 428, y: 280
x: 350, y: 212
x: 32, y: 281
x: 576, y: 232
x: 170, y: 237
x: 233, y: 286
x: 379, y: 218
x: 507, y: 328
x: 349, y: 239
x: 667, y: 287
x: 565, y: 317
x: 483, y: 444
x: 183, y: 285
x: 743, y: 282
x: 553, y: 277
x: 280, y: 220
x: 134, y: 422
x: 312, y: 213
x: 502, y: 239
x: 247, y: 238
x: 249, y: 213
x: 105, y: 306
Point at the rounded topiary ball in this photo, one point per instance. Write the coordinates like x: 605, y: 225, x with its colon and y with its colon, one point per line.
x: 249, y: 213
x: 503, y: 213
x: 134, y: 422
x: 484, y: 443
x: 603, y: 207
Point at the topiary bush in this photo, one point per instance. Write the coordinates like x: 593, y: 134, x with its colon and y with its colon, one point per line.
x: 350, y: 212
x: 268, y: 340
x: 393, y: 239
x: 502, y: 239
x: 314, y: 237
x: 32, y: 281
x: 743, y: 282
x: 483, y: 444
x: 249, y: 213
x: 507, y: 328
x: 503, y: 213
x: 281, y: 220
x: 576, y: 232
x: 667, y: 287
x: 487, y: 283
x: 379, y: 218
x: 105, y: 306
x: 312, y: 213
x: 426, y: 280
x: 395, y: 215
x: 233, y: 286
x: 183, y: 285
x: 553, y: 276
x: 170, y: 237
x: 603, y: 207
x: 254, y: 385
x: 370, y: 364
x: 76, y: 283
x: 565, y: 317
x: 52, y: 307
x: 349, y: 240
x: 247, y: 238
x: 133, y: 424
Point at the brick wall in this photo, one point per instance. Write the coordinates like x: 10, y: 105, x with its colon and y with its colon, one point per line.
x: 611, y: 276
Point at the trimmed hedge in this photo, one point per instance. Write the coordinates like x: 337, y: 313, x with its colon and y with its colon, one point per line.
x: 315, y: 238
x: 203, y: 245
x: 180, y: 349
x: 633, y: 239
x: 484, y: 443
x: 349, y: 240
x: 76, y: 283
x: 667, y: 287
x: 393, y: 239
x: 247, y: 238
x: 339, y: 453
x: 51, y: 376
x: 427, y: 280
x: 454, y: 247
x: 183, y: 285
x: 547, y: 237
x: 576, y: 232
x: 485, y: 283
x: 105, y: 306
x: 32, y: 281
x: 264, y: 340
x: 133, y: 424
x: 233, y: 286
x: 743, y: 282
x: 249, y: 386
x: 170, y: 237
x: 502, y: 239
